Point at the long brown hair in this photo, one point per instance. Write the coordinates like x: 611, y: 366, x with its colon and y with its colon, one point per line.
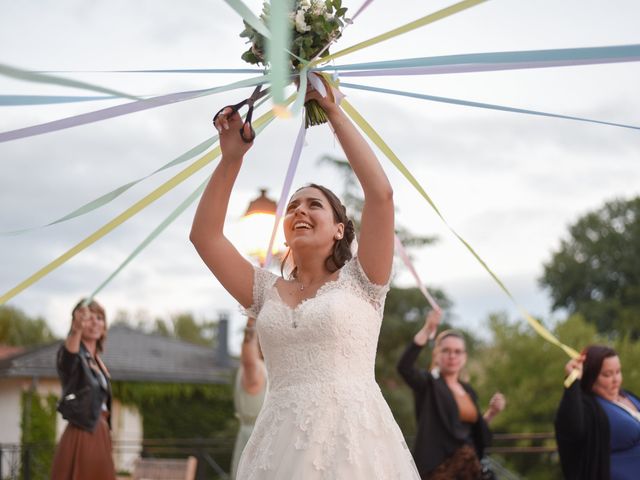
x: 341, y: 252
x: 594, y: 358
x: 94, y: 307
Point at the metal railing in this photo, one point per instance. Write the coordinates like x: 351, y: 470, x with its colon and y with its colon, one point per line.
x: 32, y: 461
x: 531, y: 443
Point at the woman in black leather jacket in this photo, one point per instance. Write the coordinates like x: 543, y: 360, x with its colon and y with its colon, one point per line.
x: 84, y: 450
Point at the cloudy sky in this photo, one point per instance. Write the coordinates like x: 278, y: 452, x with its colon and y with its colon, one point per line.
x: 509, y: 183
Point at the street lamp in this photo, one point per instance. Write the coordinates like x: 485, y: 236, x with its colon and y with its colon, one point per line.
x: 257, y: 224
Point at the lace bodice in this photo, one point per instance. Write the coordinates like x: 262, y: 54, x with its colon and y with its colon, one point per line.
x: 329, y: 337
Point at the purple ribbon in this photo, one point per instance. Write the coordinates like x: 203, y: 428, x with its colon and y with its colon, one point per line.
x: 120, y: 110
x: 286, y: 188
x: 483, y: 67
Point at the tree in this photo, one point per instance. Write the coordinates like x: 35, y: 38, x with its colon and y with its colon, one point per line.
x: 352, y: 198
x: 18, y: 329
x: 596, y: 271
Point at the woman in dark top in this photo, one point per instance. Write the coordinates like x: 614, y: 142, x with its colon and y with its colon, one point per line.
x: 451, y: 433
x: 598, y: 423
x: 84, y: 451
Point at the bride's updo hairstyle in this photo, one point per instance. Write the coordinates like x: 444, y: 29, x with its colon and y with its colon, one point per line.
x: 341, y: 251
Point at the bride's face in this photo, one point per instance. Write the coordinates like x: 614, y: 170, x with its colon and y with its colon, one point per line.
x: 309, y: 221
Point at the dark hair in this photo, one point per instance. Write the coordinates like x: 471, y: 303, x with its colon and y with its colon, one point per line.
x: 94, y: 307
x: 594, y: 357
x: 341, y: 252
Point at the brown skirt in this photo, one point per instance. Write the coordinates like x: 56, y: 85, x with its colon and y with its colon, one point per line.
x: 462, y: 465
x: 83, y: 455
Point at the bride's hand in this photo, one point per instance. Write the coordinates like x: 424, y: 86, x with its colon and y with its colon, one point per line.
x: 327, y: 103
x: 228, y: 125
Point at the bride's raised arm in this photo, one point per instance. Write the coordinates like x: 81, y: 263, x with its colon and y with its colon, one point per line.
x: 375, y: 243
x: 233, y: 271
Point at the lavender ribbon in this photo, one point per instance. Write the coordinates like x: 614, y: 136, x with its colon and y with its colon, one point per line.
x: 286, y: 188
x: 124, y: 109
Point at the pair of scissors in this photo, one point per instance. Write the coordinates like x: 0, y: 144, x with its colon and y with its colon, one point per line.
x: 255, y: 96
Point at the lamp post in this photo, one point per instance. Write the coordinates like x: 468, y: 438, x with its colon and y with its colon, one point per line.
x: 257, y: 224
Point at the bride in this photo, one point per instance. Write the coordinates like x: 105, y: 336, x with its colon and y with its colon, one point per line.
x: 324, y: 416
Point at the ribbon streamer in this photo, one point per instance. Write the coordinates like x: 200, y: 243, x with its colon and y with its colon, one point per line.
x: 489, y: 106
x: 421, y: 22
x: 124, y: 216
x: 28, y: 76
x: 361, y: 9
x: 277, y: 53
x: 152, y: 236
x: 22, y: 100
x: 112, y: 195
x: 474, y: 62
x: 407, y: 261
x: 380, y: 143
x: 249, y: 17
x: 286, y: 188
x: 125, y: 109
x: 162, y: 226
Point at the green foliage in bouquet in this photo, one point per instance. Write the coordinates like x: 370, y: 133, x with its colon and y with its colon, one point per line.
x: 314, y: 24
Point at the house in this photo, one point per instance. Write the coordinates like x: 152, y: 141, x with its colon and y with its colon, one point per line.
x: 130, y: 356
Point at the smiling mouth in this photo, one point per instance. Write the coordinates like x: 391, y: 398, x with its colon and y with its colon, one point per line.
x: 301, y: 226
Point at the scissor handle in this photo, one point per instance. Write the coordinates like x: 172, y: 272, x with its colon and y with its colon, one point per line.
x: 234, y: 108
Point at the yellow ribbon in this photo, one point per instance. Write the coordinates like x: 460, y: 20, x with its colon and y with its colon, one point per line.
x: 421, y: 22
x: 380, y: 143
x: 124, y: 216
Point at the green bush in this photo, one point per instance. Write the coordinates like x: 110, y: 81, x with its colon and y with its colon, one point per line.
x: 38, y: 427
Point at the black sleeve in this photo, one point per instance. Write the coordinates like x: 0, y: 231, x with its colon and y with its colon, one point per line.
x: 570, y: 418
x: 67, y: 364
x: 416, y: 379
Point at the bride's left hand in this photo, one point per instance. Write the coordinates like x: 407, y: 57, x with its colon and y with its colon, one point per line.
x: 327, y: 103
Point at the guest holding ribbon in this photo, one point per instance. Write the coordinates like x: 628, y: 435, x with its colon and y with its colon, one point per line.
x: 84, y: 450
x: 451, y: 432
x: 249, y: 390
x: 598, y: 423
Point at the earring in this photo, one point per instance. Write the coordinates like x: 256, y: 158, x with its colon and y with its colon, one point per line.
x: 286, y: 244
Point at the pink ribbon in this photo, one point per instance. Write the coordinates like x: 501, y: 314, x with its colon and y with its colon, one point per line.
x: 407, y: 261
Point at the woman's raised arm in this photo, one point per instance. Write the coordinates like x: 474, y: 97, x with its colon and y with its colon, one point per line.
x: 375, y: 244
x: 234, y: 272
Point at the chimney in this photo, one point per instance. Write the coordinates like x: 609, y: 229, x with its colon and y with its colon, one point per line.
x: 222, y: 345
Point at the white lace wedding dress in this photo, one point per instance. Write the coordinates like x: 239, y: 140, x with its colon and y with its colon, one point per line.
x: 324, y: 416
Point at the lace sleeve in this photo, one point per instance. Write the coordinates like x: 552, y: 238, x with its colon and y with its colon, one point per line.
x: 262, y: 281
x: 375, y: 294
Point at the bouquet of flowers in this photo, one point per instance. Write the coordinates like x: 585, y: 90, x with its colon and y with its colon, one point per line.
x: 315, y: 24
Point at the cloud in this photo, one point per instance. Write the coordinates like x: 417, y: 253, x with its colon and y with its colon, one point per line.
x: 510, y: 183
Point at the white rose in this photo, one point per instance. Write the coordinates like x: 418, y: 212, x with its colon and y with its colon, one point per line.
x: 301, y: 25
x: 305, y: 3
x: 318, y: 8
